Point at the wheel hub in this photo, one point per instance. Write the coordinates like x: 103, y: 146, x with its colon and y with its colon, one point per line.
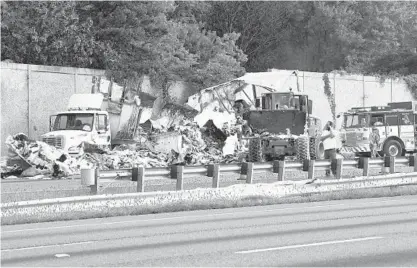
x: 393, y: 150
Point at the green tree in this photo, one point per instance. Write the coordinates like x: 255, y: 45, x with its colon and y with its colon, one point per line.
x: 263, y: 29
x: 165, y: 40
x: 144, y: 40
x: 356, y: 36
x: 47, y: 33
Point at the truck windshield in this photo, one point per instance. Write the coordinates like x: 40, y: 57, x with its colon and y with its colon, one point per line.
x: 356, y: 121
x: 281, y: 101
x: 74, y: 122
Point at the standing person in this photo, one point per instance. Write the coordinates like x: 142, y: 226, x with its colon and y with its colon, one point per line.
x: 329, y: 139
x: 374, y: 139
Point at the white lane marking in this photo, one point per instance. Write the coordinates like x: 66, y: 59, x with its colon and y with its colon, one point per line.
x: 47, y: 246
x: 359, y: 205
x: 168, y: 218
x: 311, y: 245
x: 62, y: 255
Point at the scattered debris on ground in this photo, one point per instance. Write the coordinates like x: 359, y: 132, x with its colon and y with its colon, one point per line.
x: 200, y: 146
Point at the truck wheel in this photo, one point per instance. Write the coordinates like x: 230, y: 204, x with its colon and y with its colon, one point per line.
x: 255, y: 150
x: 393, y: 148
x: 316, y: 149
x: 302, y: 148
x: 313, y: 146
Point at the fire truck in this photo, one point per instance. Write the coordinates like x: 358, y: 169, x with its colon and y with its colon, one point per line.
x: 396, y: 124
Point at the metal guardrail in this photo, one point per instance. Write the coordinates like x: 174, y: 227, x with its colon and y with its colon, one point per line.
x: 140, y: 174
x: 80, y: 202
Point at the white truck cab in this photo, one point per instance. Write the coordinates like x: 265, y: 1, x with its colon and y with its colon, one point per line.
x: 84, y: 121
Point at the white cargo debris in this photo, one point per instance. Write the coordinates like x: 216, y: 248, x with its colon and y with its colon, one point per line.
x: 231, y: 145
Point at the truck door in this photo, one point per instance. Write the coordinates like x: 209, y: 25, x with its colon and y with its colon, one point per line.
x: 407, y: 130
x: 391, y: 124
x: 103, y: 130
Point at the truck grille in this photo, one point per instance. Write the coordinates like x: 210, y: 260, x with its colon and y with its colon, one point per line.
x: 53, y: 141
x: 351, y: 139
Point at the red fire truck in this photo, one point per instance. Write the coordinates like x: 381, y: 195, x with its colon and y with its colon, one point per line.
x: 396, y: 123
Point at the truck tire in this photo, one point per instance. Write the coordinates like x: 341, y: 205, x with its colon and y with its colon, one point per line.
x: 316, y: 149
x: 255, y: 150
x: 302, y: 147
x: 393, y: 148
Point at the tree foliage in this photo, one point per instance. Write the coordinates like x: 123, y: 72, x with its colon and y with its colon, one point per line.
x: 47, y: 33
x: 164, y: 40
x: 206, y: 43
x: 357, y: 36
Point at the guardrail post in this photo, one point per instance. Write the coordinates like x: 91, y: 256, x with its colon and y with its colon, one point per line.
x: 210, y: 171
x: 180, y: 178
x: 309, y: 165
x: 94, y: 188
x: 216, y: 175
x: 389, y: 161
x: 134, y: 174
x: 337, y: 167
x: 275, y: 167
x: 243, y: 171
x: 249, y: 175
x: 281, y: 170
x: 141, y: 179
x: 365, y: 166
x: 413, y: 162
x: 174, y: 170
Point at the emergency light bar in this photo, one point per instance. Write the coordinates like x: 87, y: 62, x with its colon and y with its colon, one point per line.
x: 407, y: 105
x: 360, y: 109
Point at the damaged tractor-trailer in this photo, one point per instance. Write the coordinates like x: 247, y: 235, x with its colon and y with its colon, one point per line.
x: 291, y: 129
x: 86, y: 121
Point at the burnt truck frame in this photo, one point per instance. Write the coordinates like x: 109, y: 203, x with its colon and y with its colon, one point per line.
x: 287, y: 114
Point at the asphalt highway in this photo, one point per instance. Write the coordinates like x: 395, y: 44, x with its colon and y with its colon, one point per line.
x: 365, y: 232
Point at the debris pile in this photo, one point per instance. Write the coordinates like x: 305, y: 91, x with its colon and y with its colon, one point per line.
x: 42, y: 158
x: 200, y: 146
x: 7, y: 171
